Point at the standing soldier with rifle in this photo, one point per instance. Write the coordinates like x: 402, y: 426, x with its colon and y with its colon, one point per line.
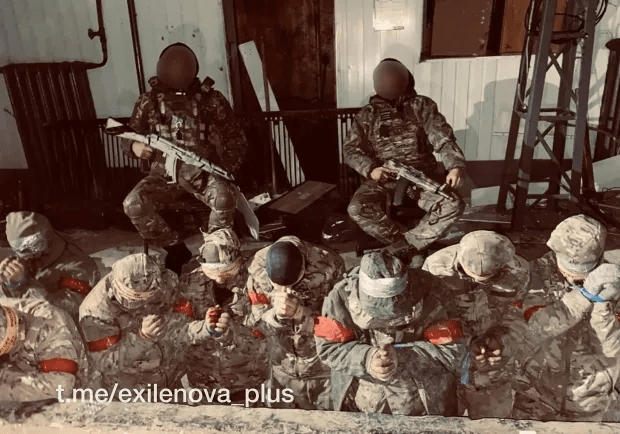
x: 193, y: 116
x: 399, y: 126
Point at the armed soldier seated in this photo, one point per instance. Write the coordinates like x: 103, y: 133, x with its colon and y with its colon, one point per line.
x: 196, y: 117
x: 401, y: 126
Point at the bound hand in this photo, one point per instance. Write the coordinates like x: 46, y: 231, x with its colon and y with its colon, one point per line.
x: 456, y: 178
x: 154, y: 327
x: 217, y: 320
x: 486, y: 352
x: 12, y: 270
x: 286, y: 305
x: 383, y: 363
x: 142, y: 150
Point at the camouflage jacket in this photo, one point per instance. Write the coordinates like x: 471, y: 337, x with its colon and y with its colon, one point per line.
x: 346, y: 335
x: 291, y: 341
x: 49, y: 353
x: 202, y: 122
x: 408, y: 134
x: 236, y: 364
x: 118, y: 353
x: 478, y: 305
x: 564, y: 349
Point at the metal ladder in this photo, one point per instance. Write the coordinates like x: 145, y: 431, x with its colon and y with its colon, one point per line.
x: 540, y: 38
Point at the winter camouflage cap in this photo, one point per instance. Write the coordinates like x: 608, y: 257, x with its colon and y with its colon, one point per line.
x: 220, y: 255
x: 136, y: 277
x: 220, y: 247
x: 602, y: 277
x: 578, y: 243
x: 484, y: 253
x: 383, y: 281
x: 28, y: 233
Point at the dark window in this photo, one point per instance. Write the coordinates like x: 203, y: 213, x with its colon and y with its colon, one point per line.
x: 473, y: 28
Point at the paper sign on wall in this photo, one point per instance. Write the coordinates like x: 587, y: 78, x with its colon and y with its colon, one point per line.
x: 389, y: 15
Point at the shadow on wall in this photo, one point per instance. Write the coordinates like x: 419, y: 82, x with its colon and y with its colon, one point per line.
x: 485, y: 137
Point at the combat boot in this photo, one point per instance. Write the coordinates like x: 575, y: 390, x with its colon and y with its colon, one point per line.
x: 178, y: 255
x: 407, y: 253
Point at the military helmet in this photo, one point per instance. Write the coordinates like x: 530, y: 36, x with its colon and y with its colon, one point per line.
x: 391, y: 79
x: 177, y: 66
x: 578, y: 243
x: 284, y: 263
x: 484, y: 253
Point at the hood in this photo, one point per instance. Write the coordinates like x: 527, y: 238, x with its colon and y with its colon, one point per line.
x: 30, y: 233
x: 409, y: 93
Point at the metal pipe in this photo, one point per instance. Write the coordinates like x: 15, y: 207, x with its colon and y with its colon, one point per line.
x: 135, y: 39
x: 102, y: 37
x: 603, y: 146
x: 100, y: 33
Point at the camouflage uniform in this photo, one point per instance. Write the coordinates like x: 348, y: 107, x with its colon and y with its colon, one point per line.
x: 203, y: 122
x: 561, y: 349
x: 48, y: 353
x: 408, y: 132
x: 294, y: 362
x: 241, y: 362
x: 66, y: 273
x: 480, y: 304
x: 111, y: 322
x: 352, y: 327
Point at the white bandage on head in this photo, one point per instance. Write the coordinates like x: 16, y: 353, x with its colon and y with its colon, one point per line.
x: 386, y: 287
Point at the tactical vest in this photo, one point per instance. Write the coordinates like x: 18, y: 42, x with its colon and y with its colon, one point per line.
x: 397, y: 133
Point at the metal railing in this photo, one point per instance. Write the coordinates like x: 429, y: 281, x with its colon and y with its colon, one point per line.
x: 123, y: 172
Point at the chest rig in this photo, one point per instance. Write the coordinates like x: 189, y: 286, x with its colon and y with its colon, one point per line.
x: 179, y: 120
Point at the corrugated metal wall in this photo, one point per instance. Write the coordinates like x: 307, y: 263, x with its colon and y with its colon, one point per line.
x: 476, y: 95
x: 57, y: 30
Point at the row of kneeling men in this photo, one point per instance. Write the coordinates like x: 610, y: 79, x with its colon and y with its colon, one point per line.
x: 477, y: 329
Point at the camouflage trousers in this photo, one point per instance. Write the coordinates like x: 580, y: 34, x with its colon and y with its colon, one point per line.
x: 368, y: 209
x: 309, y: 393
x: 152, y: 195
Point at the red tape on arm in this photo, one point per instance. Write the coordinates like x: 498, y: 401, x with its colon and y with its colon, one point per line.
x: 59, y: 365
x: 77, y: 285
x: 332, y: 330
x: 185, y: 307
x: 258, y: 298
x: 443, y: 332
x: 103, y: 343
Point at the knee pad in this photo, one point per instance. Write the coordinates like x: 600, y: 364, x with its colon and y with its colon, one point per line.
x: 366, y: 211
x: 354, y: 209
x: 223, y: 199
x: 135, y: 207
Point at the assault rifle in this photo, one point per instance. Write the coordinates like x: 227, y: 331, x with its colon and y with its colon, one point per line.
x: 174, y: 154
x: 406, y: 176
